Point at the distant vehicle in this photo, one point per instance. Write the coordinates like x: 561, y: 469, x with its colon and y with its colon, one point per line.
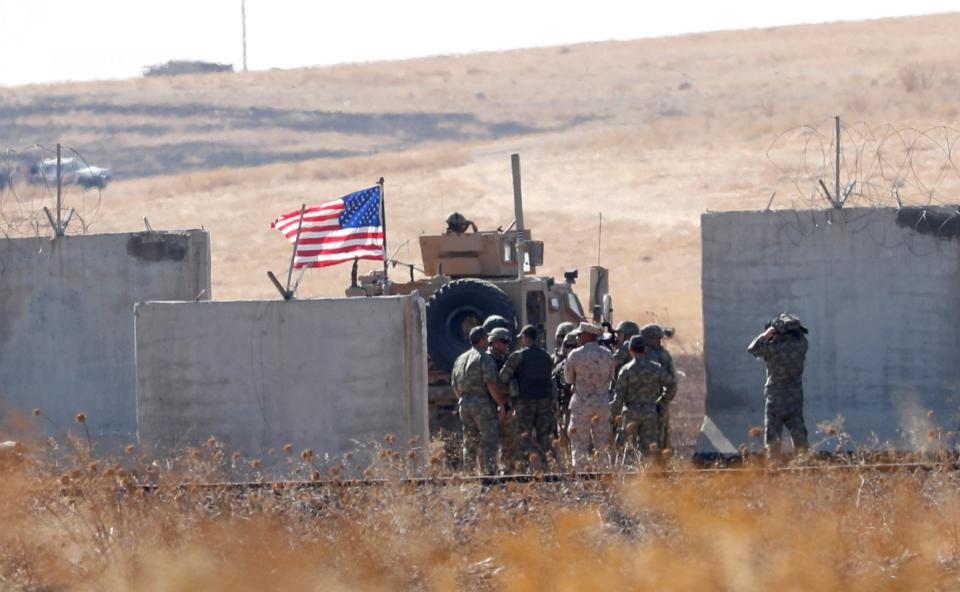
x: 73, y: 171
x: 178, y: 67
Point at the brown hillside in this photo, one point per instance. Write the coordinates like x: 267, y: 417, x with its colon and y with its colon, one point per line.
x: 652, y: 133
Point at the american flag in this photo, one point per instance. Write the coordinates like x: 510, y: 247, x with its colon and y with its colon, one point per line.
x: 338, y: 231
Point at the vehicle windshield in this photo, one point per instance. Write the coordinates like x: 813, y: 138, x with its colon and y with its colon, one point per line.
x: 575, y: 306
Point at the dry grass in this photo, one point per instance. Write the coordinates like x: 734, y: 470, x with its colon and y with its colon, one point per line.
x: 76, y: 523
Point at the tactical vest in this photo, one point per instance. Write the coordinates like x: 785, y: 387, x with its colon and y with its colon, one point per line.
x: 534, y: 376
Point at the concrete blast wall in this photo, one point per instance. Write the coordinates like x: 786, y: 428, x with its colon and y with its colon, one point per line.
x: 66, y: 321
x: 879, y: 290
x: 323, y: 374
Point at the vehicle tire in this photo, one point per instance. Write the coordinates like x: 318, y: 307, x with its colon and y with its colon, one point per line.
x: 456, y: 308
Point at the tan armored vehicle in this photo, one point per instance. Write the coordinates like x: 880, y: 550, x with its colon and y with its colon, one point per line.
x: 470, y: 275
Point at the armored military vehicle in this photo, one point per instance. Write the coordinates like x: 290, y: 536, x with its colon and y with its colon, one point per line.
x: 470, y: 274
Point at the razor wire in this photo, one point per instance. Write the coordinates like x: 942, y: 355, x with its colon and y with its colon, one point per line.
x: 913, y: 170
x: 879, y: 167
x: 28, y: 186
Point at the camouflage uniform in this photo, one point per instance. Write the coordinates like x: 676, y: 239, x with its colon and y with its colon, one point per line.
x: 784, y: 354
x: 621, y: 357
x: 508, y: 431
x: 589, y: 369
x: 638, y: 387
x: 531, y: 367
x: 661, y: 356
x: 478, y: 410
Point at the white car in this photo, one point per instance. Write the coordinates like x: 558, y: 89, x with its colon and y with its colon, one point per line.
x: 73, y: 171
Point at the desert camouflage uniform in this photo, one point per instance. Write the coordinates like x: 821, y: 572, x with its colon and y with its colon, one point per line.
x: 785, y: 355
x: 478, y: 410
x: 638, y: 387
x: 535, y: 421
x: 661, y: 356
x: 589, y: 369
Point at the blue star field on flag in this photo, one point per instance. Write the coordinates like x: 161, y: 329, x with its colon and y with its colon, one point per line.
x: 361, y: 208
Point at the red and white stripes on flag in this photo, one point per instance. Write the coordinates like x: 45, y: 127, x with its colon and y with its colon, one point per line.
x: 338, y: 231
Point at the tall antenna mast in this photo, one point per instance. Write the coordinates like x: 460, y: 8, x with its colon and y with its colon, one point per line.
x: 599, y: 238
x: 243, y: 23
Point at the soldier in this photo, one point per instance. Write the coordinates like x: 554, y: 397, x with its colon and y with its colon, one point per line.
x: 481, y: 403
x: 624, y: 331
x: 531, y: 367
x: 621, y: 344
x: 653, y: 334
x: 559, y: 339
x: 500, y: 341
x: 639, y: 386
x: 783, y: 346
x: 564, y: 389
x: 589, y: 369
x: 457, y: 223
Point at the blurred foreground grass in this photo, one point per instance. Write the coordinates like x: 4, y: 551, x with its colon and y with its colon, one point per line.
x: 72, y: 522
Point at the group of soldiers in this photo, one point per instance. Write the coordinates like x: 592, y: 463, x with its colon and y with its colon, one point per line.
x: 595, y: 399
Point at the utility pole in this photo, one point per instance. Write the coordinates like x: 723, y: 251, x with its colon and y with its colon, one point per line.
x: 243, y: 23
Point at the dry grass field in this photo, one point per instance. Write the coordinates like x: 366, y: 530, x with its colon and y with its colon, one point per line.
x: 78, y: 523
x: 651, y: 133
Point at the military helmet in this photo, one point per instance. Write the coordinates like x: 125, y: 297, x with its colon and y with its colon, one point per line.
x: 562, y: 330
x: 628, y: 328
x: 652, y: 330
x: 457, y: 219
x: 638, y: 343
x: 476, y: 334
x: 494, y: 321
x: 500, y: 334
x: 787, y: 323
x: 458, y: 223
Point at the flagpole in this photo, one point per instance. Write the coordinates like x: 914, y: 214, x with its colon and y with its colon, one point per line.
x: 383, y: 224
x: 296, y: 243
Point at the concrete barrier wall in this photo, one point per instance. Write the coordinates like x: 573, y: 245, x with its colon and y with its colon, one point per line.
x: 323, y: 374
x: 879, y: 290
x: 66, y: 321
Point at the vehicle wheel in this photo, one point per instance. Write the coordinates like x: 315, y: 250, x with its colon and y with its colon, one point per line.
x: 456, y: 308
